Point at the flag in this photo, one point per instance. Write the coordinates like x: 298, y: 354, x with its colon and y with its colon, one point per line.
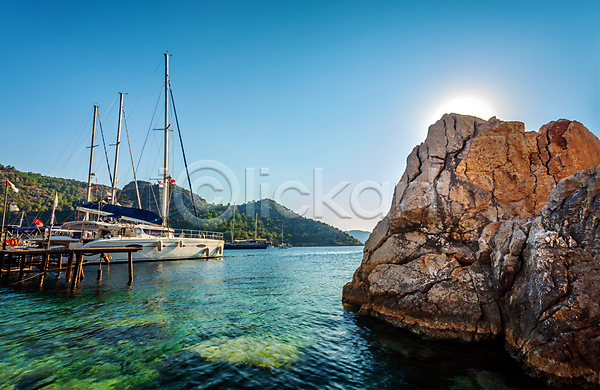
x: 15, y: 189
x: 171, y: 181
x: 38, y: 223
x: 55, y: 204
x: 13, y: 207
x: 95, y: 188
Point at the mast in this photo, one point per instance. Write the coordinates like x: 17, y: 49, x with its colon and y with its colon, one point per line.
x: 165, y: 199
x: 113, y: 199
x: 89, y: 185
x: 255, y: 225
x: 233, y: 226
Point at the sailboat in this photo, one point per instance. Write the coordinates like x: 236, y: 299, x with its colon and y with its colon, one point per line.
x: 284, y: 245
x: 135, y: 227
x: 252, y: 243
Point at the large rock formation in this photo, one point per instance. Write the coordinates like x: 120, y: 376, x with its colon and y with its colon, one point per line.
x: 551, y: 313
x: 449, y: 256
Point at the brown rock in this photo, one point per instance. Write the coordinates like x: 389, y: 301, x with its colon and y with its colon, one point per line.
x: 448, y: 214
x: 552, y: 310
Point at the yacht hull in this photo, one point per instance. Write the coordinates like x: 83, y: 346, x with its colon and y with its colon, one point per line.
x: 158, y: 249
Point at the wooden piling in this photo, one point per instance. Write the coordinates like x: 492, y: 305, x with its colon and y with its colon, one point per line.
x: 69, y: 268
x: 22, y: 267
x: 60, y: 261
x: 130, y: 261
x: 78, y: 265
x: 45, y: 258
x: 8, y: 265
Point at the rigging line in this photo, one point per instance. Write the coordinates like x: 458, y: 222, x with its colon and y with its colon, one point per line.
x: 184, y: 158
x: 109, y: 107
x: 149, y: 127
x: 154, y: 196
x: 137, y: 190
x: 43, y: 206
x: 105, y: 152
x: 69, y: 159
x: 71, y: 140
x: 151, y: 77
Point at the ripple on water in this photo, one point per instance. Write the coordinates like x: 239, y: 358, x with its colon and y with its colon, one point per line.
x: 255, y: 320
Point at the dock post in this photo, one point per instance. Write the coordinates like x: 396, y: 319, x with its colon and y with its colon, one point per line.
x: 100, y: 268
x: 45, y: 262
x: 2, y: 262
x: 78, y: 267
x: 69, y: 267
x: 130, y: 260
x: 60, y: 261
x: 8, y: 265
x: 22, y: 267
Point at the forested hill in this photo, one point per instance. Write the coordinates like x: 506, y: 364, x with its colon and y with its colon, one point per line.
x: 36, y: 193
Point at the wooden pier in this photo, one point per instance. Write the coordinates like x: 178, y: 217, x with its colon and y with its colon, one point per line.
x: 41, y: 261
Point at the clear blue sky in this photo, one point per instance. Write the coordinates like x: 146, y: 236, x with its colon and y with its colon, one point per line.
x: 346, y: 86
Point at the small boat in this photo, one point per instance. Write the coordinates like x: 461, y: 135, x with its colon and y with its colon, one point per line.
x: 252, y: 243
x: 283, y: 244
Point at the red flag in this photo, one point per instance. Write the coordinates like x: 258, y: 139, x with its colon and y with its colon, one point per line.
x: 15, y: 189
x: 37, y: 223
x: 171, y: 181
x: 159, y: 182
x: 95, y: 188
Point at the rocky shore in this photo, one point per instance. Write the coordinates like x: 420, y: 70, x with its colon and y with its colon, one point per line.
x: 494, y: 233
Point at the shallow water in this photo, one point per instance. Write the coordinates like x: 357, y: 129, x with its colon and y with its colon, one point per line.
x: 268, y: 319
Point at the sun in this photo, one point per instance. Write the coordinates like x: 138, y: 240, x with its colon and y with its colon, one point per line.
x: 466, y: 105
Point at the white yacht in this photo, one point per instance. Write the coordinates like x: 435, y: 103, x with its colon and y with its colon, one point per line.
x: 135, y: 227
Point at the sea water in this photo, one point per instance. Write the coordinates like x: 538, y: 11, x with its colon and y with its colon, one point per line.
x: 257, y: 319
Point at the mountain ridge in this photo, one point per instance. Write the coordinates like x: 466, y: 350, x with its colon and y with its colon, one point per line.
x: 37, y: 191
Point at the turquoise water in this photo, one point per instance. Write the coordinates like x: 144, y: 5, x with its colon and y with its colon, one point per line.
x: 262, y: 319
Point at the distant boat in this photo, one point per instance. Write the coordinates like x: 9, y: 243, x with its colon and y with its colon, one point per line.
x: 252, y: 243
x: 284, y: 245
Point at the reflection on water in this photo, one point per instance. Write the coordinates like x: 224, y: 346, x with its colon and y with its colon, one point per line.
x: 256, y: 319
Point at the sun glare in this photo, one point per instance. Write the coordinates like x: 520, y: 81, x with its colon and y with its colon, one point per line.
x: 466, y: 105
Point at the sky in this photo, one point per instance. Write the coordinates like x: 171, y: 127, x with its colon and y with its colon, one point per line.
x: 293, y: 100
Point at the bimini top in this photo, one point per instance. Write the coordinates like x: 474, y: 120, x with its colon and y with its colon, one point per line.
x: 127, y: 213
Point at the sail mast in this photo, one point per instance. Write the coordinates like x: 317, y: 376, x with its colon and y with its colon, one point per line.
x: 165, y: 199
x: 255, y: 225
x: 113, y: 199
x: 233, y: 226
x: 89, y: 185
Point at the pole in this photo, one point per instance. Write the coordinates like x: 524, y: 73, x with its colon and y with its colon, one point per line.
x: 233, y: 226
x: 165, y: 200
x: 2, y: 234
x: 130, y: 263
x: 54, y: 205
x: 89, y: 185
x: 113, y: 199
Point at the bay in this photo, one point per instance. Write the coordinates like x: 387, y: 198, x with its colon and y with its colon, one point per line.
x: 258, y: 319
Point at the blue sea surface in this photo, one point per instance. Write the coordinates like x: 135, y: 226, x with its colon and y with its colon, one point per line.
x: 257, y: 319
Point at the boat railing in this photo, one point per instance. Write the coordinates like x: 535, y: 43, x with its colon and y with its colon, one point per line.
x: 197, y: 234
